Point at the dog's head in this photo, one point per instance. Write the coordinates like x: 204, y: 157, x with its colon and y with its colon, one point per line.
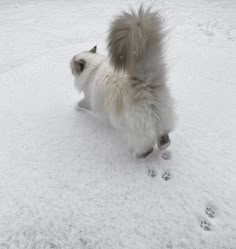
x: 82, y: 61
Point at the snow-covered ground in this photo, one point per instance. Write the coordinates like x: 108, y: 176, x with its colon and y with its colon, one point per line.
x: 67, y: 181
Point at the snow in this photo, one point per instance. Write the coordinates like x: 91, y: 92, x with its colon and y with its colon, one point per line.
x: 67, y: 179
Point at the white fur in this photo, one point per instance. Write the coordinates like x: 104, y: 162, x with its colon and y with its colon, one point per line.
x: 110, y: 92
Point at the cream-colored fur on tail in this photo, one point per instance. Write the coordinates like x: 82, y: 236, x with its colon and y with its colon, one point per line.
x: 130, y: 88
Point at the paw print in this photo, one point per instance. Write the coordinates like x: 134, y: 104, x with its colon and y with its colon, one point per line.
x: 166, y: 176
x: 210, y: 212
x: 152, y: 172
x: 208, y: 29
x: 166, y: 155
x: 205, y: 225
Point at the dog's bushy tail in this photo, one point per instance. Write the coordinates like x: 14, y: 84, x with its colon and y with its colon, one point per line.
x: 135, y: 44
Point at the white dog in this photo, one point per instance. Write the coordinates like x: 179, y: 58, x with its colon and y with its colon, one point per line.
x: 130, y: 88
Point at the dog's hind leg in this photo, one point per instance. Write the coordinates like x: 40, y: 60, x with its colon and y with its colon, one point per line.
x: 163, y: 141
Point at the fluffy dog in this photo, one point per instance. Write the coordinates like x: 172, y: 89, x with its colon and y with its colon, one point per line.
x: 130, y: 86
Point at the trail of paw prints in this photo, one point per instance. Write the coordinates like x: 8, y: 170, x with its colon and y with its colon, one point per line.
x: 166, y: 176
x: 210, y: 211
x: 166, y: 155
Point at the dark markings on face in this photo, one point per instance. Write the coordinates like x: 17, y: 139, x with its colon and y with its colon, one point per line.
x: 78, y: 66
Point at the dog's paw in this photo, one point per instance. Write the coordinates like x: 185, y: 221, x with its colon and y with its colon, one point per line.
x: 164, y: 142
x: 77, y: 107
x: 81, y: 106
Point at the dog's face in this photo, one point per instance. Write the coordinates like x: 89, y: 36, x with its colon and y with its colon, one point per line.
x: 80, y: 62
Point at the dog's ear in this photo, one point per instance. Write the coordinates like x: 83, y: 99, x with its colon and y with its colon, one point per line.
x: 79, y: 66
x: 93, y: 50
